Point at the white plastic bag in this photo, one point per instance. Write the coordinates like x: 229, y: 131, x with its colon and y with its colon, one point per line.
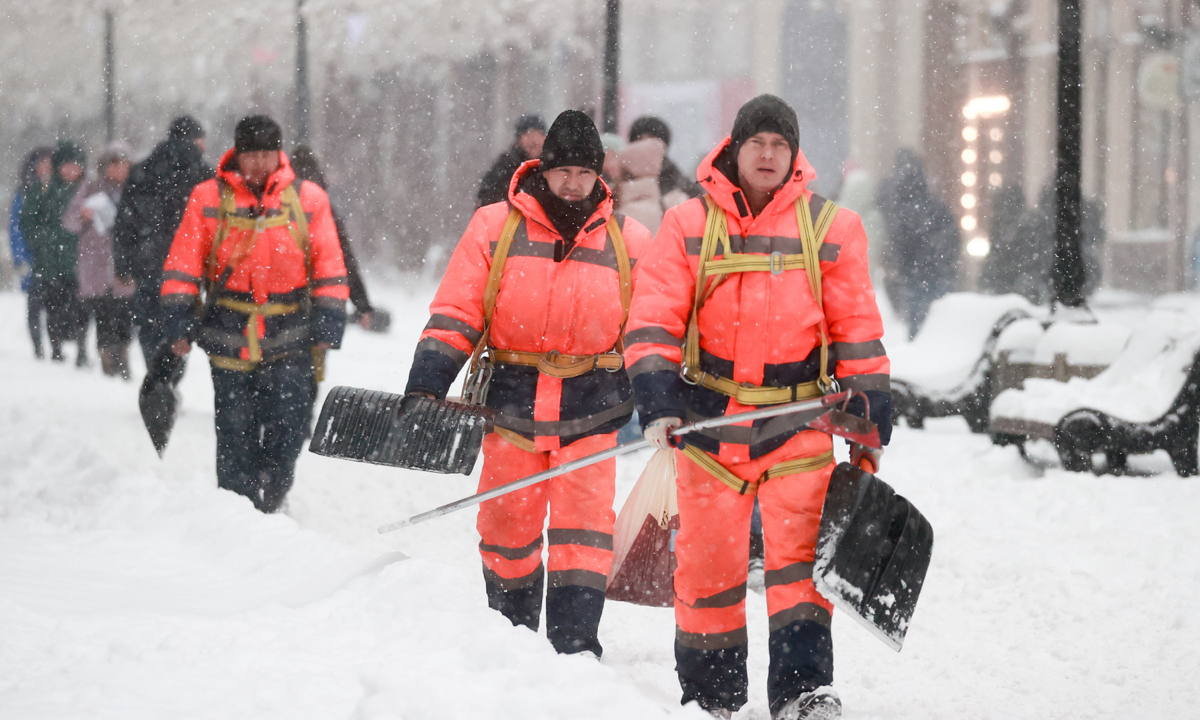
x: 644, y: 538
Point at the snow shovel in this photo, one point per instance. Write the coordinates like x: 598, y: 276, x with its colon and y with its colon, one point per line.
x: 157, y: 399
x: 873, y: 550
x: 411, y: 432
x: 818, y: 408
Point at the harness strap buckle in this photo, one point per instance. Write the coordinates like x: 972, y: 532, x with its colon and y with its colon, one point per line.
x: 777, y: 260
x: 260, y: 223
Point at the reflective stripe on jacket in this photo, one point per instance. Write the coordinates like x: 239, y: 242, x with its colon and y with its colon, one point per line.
x: 275, y: 271
x: 757, y: 327
x: 573, y: 306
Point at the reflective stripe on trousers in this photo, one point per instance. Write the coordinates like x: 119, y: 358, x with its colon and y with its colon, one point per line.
x: 713, y: 546
x: 581, y: 515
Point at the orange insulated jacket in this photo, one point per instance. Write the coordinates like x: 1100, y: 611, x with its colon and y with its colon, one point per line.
x: 757, y: 328
x: 572, y: 306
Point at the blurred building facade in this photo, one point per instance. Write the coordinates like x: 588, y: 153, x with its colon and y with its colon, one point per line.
x: 411, y: 101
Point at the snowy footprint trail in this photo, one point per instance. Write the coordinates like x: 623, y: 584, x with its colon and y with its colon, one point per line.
x: 130, y: 587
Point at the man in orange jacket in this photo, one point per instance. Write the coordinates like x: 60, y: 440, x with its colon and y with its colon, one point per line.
x: 762, y: 325
x: 265, y: 248
x: 546, y: 322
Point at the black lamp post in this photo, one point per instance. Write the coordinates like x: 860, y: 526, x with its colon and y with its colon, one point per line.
x: 1068, y: 270
x: 303, y: 102
x: 612, y: 31
x: 110, y: 77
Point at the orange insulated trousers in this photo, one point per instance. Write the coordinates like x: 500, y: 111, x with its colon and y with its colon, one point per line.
x: 580, y: 540
x: 713, y: 549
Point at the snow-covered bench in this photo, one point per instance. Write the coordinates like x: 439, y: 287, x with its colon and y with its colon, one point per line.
x: 947, y: 369
x: 1146, y: 400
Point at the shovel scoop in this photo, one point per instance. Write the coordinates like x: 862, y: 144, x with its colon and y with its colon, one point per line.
x: 411, y: 432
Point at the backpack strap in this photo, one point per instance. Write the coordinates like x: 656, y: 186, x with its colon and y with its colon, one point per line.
x: 492, y: 289
x: 624, y: 274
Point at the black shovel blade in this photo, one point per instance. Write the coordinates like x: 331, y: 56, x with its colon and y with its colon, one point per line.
x: 407, y: 432
x: 873, y: 550
x: 157, y: 399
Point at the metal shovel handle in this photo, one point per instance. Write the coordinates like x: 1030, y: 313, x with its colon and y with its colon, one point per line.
x: 767, y: 412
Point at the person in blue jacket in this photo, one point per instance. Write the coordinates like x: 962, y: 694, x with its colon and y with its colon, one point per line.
x: 37, y: 168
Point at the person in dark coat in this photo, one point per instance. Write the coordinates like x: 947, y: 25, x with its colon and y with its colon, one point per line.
x: 922, y: 258
x: 531, y: 133
x: 1002, y: 264
x: 151, y: 207
x: 673, y: 186
x: 54, y: 248
x: 306, y: 167
x: 1034, y: 241
x: 35, y: 173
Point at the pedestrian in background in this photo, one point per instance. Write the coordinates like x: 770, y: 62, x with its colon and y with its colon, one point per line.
x: 922, y: 258
x: 35, y: 173
x: 151, y: 207
x: 527, y: 144
x: 306, y: 167
x: 858, y: 194
x: 674, y: 186
x: 91, y: 215
x: 54, y: 249
x: 1003, y: 263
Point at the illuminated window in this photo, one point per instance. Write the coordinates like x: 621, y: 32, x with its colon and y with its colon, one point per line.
x: 996, y: 157
x: 969, y: 223
x: 995, y: 180
x: 996, y: 135
x: 988, y: 106
x: 969, y: 156
x: 969, y: 179
x: 970, y: 134
x: 978, y: 247
x: 968, y: 201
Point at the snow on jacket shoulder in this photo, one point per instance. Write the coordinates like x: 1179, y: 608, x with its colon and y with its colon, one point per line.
x: 756, y: 328
x: 572, y: 306
x: 276, y: 270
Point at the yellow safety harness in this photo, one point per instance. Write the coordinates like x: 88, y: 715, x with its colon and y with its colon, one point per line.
x: 291, y: 216
x: 552, y: 363
x: 709, y: 275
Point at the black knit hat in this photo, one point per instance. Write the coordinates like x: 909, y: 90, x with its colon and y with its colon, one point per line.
x: 257, y: 133
x: 573, y: 140
x: 528, y: 122
x: 185, y: 127
x: 766, y: 113
x: 67, y: 151
x: 649, y: 126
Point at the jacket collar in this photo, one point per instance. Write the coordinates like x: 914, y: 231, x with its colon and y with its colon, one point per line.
x: 272, y: 194
x: 532, y: 209
x: 728, y: 195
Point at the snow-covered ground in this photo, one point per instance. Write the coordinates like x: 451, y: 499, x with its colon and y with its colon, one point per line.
x: 130, y: 587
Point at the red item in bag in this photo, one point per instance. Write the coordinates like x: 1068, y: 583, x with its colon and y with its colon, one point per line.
x: 643, y: 538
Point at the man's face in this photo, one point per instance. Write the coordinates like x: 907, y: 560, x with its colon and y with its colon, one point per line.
x: 202, y: 143
x: 763, y: 162
x: 117, y: 171
x: 70, y: 172
x: 571, y: 182
x: 530, y: 142
x: 257, y: 165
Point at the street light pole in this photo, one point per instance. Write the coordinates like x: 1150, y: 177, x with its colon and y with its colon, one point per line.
x: 612, y: 32
x: 1068, y: 271
x: 110, y: 77
x: 303, y: 102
